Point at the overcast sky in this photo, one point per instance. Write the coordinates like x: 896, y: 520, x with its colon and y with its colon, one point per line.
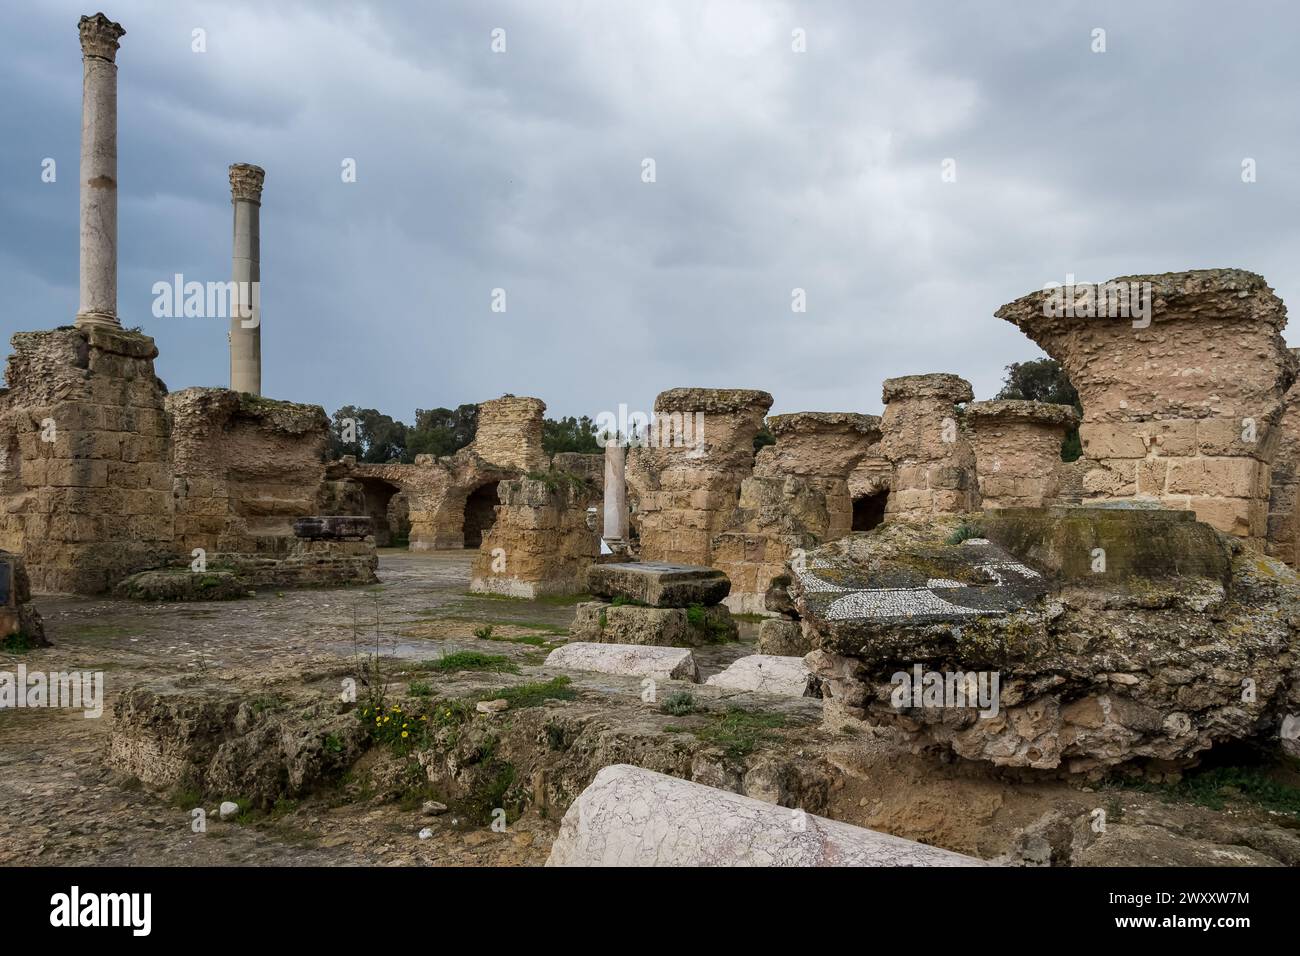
x: 774, y: 170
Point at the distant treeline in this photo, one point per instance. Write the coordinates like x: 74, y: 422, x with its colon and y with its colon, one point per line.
x: 379, y: 438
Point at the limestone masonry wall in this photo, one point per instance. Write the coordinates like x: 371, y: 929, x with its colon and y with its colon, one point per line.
x: 540, y: 543
x: 1018, y: 451
x: 1183, y: 408
x: 797, y: 497
x: 85, y: 474
x: 927, y: 447
x: 1283, y: 513
x: 687, y: 486
x: 244, y: 468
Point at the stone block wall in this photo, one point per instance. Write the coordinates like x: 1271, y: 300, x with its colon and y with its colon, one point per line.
x: 1181, y: 407
x: 85, y: 477
x: 434, y: 492
x: 1018, y: 451
x: 540, y: 543
x: 244, y: 467
x: 927, y: 446
x: 687, y: 482
x: 797, y: 497
x: 509, y: 433
x: 1284, y: 493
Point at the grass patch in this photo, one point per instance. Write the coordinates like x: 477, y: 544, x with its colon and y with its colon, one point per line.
x: 964, y: 532
x: 16, y: 643
x: 534, y: 694
x: 419, y: 688
x: 185, y: 798
x: 472, y: 661
x: 1216, y: 787
x: 739, y: 732
x: 678, y: 704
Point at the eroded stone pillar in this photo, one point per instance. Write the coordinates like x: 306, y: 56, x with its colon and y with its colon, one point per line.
x: 1181, y: 400
x: 1018, y: 451
x: 614, y: 528
x: 700, y: 449
x: 98, y: 212
x: 246, y: 272
x: 797, y: 497
x: 923, y: 439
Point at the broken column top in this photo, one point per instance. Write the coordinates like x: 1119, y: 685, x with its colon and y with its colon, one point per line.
x: 825, y: 423
x: 246, y: 182
x: 1216, y: 294
x: 715, y: 401
x: 942, y: 385
x: 1017, y: 410
x: 99, y: 36
x: 828, y: 444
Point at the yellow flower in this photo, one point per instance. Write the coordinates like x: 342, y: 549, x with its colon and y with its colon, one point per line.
x: 404, y: 733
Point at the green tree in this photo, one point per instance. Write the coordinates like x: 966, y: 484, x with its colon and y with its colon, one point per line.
x: 1043, y: 380
x: 375, y: 437
x: 569, y: 434
x: 441, y: 431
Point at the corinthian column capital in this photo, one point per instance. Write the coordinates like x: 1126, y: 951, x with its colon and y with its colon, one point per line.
x: 246, y: 182
x: 99, y: 36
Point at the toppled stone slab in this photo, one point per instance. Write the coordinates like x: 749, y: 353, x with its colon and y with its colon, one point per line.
x: 1148, y: 670
x: 634, y: 817
x: 662, y: 663
x: 220, y: 742
x: 180, y: 584
x: 602, y: 623
x: 333, y: 527
x: 658, y: 584
x: 768, y: 674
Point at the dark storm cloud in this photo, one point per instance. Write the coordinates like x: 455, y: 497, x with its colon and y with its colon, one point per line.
x: 775, y: 170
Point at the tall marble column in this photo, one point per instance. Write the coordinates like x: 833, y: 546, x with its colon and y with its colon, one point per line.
x: 246, y: 321
x: 98, y: 278
x: 615, y: 530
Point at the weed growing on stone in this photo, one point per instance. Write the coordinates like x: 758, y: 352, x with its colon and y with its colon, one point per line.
x: 472, y: 661
x: 534, y: 694
x: 964, y: 532
x: 678, y: 704
x: 400, y: 730
x: 739, y: 732
x: 1216, y: 787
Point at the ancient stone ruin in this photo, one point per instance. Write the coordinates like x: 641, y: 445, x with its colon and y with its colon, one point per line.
x: 1185, y: 409
x: 815, y: 638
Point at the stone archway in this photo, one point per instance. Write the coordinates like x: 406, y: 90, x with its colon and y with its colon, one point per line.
x: 378, y: 493
x: 480, y: 513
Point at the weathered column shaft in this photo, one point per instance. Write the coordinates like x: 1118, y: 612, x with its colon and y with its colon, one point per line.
x: 98, y: 231
x: 246, y: 317
x: 616, y: 518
